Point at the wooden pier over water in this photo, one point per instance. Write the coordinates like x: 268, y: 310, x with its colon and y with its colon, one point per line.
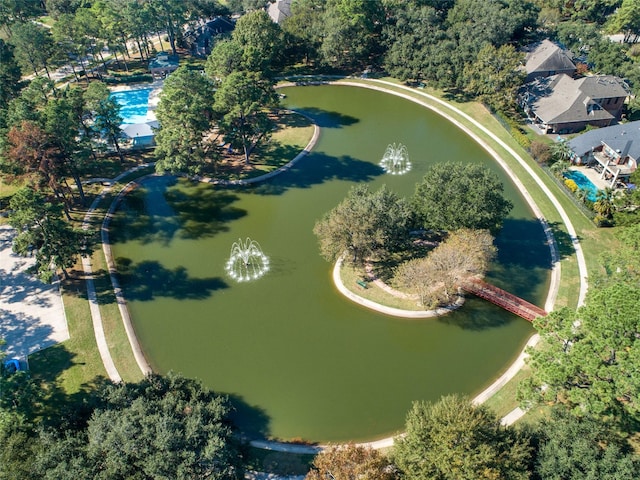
x: 504, y: 299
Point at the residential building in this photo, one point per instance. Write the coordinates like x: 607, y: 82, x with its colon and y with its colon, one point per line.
x: 562, y: 104
x: 545, y: 59
x: 613, y: 151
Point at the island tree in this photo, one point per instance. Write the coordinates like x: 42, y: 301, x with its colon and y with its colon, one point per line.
x: 436, y: 278
x: 43, y: 233
x: 452, y: 196
x: 454, y: 440
x: 363, y: 225
x: 244, y: 101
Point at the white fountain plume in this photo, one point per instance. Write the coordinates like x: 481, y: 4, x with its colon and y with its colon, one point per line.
x: 396, y: 160
x: 246, y: 262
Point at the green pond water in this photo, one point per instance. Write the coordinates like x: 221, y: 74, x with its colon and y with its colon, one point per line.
x: 298, y: 359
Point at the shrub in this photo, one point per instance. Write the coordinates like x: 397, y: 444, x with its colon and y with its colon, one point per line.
x: 571, y: 185
x: 540, y: 151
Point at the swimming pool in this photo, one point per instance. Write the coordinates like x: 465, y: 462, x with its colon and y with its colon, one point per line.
x: 583, y: 183
x: 134, y: 105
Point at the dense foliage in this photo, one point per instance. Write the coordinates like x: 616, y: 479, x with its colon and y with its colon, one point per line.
x: 161, y: 427
x: 364, y: 224
x: 453, y: 440
x: 452, y: 196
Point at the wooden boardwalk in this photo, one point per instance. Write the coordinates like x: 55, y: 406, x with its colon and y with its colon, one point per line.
x: 504, y: 299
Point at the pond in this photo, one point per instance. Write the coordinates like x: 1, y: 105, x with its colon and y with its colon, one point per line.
x: 298, y: 359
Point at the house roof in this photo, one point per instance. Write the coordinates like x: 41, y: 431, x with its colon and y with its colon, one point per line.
x: 557, y: 99
x: 279, y: 10
x: 163, y: 61
x: 603, y: 86
x: 546, y: 56
x: 138, y: 130
x: 561, y: 99
x: 624, y: 137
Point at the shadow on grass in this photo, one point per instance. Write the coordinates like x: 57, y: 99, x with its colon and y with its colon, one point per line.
x: 316, y: 169
x: 148, y: 280
x: 50, y: 402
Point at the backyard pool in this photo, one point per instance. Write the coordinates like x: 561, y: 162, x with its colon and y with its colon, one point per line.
x: 134, y: 105
x: 583, y: 183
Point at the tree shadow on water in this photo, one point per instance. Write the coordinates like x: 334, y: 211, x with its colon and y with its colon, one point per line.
x: 318, y: 168
x: 202, y: 210
x: 165, y: 208
x: 251, y: 420
x: 327, y: 119
x: 148, y: 280
x: 477, y: 314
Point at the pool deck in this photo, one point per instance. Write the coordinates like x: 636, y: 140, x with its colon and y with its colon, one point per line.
x: 592, y: 175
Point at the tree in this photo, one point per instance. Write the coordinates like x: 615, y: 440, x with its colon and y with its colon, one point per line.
x: 260, y: 40
x: 184, y: 142
x: 418, y: 45
x: 303, y: 30
x: 243, y: 100
x: 351, y: 32
x: 34, y: 47
x: 454, y: 195
x: 588, y: 358
x: 351, y: 462
x: 10, y: 83
x: 225, y: 58
x: 105, y: 112
x: 163, y: 427
x: 582, y: 448
x: 495, y: 77
x: 463, y: 254
x: 452, y: 439
x: 604, y: 202
x: 42, y: 230
x: 363, y: 224
x: 626, y: 19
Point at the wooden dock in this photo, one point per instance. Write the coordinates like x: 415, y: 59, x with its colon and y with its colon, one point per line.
x: 504, y: 299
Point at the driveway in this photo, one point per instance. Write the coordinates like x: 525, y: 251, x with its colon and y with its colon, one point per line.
x: 31, y: 312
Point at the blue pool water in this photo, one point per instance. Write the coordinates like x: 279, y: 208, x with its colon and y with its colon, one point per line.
x: 583, y: 183
x: 133, y: 105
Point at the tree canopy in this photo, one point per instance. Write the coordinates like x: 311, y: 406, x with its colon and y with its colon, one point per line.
x: 43, y: 232
x: 452, y: 196
x: 582, y: 448
x: 364, y: 224
x: 351, y: 462
x: 454, y: 440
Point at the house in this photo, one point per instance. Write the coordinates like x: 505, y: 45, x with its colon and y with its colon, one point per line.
x: 279, y: 10
x: 163, y: 64
x: 140, y: 134
x: 613, y: 151
x: 202, y: 38
x: 545, y: 59
x: 562, y: 104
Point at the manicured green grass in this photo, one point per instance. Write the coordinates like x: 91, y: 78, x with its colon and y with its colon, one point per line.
x: 350, y: 277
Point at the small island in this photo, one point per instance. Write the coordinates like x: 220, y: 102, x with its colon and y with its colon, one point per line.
x: 422, y: 249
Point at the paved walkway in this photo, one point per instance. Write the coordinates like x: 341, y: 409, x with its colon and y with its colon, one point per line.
x: 31, y: 312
